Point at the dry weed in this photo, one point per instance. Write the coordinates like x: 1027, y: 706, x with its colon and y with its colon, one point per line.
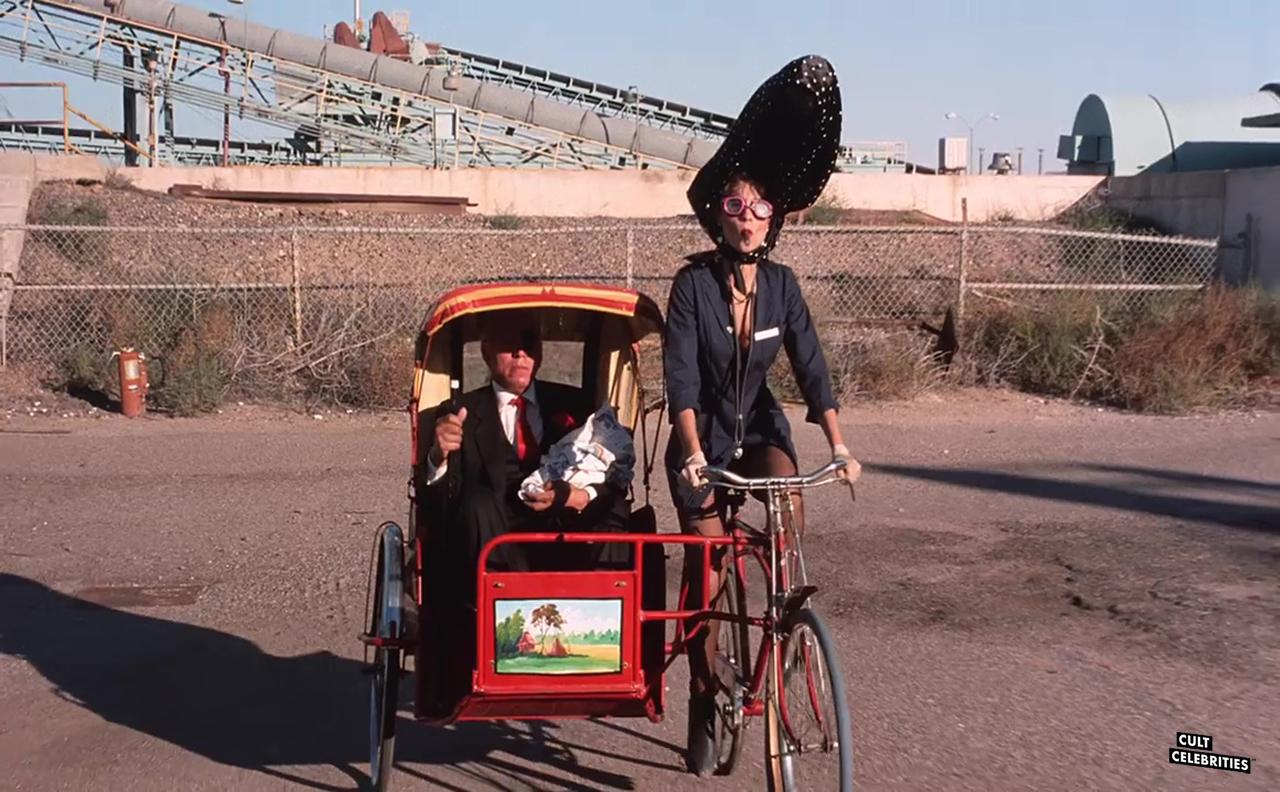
x: 1199, y: 351
x: 381, y: 373
x: 870, y: 364
x: 1168, y: 354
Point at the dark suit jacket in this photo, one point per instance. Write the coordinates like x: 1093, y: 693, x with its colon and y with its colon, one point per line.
x: 482, y: 460
x: 479, y: 467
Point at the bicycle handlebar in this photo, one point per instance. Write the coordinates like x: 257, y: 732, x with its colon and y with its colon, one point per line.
x: 720, y: 477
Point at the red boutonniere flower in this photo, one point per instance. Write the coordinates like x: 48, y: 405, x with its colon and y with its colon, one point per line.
x: 563, y: 421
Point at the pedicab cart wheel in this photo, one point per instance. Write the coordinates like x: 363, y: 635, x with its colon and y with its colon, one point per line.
x: 386, y: 623
x: 808, y: 730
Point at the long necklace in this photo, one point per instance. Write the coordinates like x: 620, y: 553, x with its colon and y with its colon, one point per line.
x: 742, y: 334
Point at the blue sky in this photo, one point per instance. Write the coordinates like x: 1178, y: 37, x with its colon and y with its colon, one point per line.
x: 902, y: 63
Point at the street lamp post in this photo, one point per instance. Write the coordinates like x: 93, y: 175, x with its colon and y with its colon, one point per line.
x: 972, y: 125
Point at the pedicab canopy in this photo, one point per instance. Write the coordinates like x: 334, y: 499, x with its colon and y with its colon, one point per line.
x: 604, y: 322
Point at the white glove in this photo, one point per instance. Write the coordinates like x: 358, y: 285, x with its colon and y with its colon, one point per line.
x: 852, y: 469
x: 692, y: 471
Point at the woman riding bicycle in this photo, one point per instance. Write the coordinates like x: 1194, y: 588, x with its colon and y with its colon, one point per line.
x: 730, y: 311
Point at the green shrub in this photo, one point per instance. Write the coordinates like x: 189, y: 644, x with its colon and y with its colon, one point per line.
x: 1003, y: 216
x: 828, y: 210
x: 192, y: 348
x: 116, y: 180
x: 83, y: 369
x: 192, y: 384
x: 1098, y: 218
x: 1038, y: 348
x: 868, y: 364
x: 504, y: 222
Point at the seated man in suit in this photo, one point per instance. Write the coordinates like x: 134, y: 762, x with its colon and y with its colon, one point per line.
x: 482, y: 449
x: 495, y: 437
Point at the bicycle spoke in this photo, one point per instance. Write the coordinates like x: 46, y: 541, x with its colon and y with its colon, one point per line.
x: 814, y: 749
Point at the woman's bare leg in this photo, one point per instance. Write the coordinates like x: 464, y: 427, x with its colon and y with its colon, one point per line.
x: 702, y: 645
x: 757, y: 462
x: 773, y: 461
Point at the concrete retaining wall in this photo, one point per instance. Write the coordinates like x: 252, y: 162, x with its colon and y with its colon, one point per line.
x: 1251, y: 216
x: 1032, y: 198
x: 634, y: 194
x: 1240, y: 207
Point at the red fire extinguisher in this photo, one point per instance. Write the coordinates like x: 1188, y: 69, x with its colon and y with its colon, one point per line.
x: 133, y: 382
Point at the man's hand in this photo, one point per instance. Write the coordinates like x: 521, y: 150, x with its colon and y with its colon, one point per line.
x: 541, y: 501
x: 578, y: 499
x: 448, y: 436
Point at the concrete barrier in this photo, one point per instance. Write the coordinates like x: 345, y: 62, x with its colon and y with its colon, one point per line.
x: 1240, y: 207
x: 1029, y: 198
x: 629, y: 193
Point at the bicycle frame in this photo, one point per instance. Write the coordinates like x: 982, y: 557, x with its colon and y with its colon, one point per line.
x: 779, y: 585
x: 785, y: 595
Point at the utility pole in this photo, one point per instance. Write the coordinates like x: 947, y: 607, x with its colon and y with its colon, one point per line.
x: 130, y: 106
x: 149, y: 56
x: 225, y: 67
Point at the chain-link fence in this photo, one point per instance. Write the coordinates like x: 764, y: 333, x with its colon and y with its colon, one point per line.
x: 275, y: 303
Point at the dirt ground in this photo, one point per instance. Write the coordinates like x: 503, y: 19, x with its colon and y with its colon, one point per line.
x: 1028, y: 595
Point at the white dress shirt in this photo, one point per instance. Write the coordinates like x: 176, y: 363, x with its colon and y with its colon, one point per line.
x: 507, y: 415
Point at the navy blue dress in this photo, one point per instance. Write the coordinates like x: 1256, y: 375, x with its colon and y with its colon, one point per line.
x: 698, y: 359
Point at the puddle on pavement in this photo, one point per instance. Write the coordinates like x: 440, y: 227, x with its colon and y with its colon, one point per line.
x: 141, y: 596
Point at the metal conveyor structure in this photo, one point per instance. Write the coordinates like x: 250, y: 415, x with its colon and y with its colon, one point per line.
x: 322, y: 91
x: 342, y: 105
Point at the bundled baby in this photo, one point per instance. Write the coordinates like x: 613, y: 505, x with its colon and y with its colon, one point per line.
x: 597, y: 453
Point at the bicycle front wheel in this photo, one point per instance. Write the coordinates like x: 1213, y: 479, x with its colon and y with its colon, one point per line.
x: 809, y: 732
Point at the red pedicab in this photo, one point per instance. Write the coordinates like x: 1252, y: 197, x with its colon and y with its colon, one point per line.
x: 593, y: 334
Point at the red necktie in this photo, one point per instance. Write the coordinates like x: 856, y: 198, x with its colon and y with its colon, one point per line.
x: 525, y: 445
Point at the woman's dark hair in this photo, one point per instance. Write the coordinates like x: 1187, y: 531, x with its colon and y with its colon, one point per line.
x: 742, y: 177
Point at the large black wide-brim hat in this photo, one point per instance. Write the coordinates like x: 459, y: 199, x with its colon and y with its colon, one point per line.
x: 786, y: 139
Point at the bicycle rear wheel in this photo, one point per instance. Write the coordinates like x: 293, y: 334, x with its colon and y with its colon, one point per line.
x: 732, y: 671
x: 809, y: 733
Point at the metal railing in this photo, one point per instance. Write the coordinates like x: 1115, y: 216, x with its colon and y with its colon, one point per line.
x: 62, y: 125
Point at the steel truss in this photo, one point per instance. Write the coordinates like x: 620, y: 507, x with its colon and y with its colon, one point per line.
x: 351, y: 116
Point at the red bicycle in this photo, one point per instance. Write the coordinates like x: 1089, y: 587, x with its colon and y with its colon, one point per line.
x: 795, y: 682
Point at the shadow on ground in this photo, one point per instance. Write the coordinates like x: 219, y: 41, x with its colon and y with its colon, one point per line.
x: 220, y: 696
x: 1124, y: 494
